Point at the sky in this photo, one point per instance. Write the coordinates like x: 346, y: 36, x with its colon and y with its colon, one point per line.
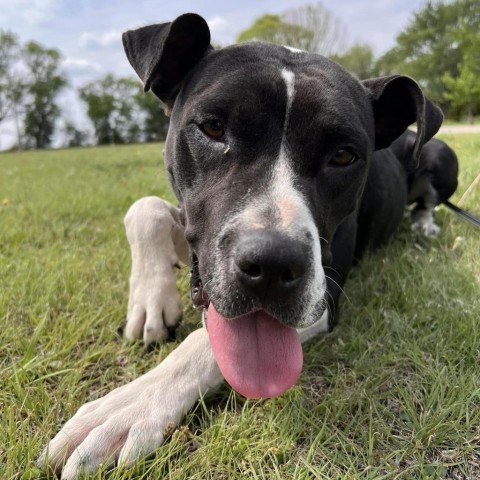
x: 88, y: 32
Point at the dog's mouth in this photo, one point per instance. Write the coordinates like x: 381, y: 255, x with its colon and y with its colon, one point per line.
x: 259, y: 356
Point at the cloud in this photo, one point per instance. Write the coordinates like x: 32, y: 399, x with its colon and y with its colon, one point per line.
x: 222, y: 30
x: 31, y: 12
x: 81, y: 64
x: 106, y: 39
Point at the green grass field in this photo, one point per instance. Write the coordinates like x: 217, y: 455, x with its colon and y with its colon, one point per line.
x: 392, y: 393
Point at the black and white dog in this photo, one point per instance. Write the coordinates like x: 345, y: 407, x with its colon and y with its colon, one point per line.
x: 280, y: 162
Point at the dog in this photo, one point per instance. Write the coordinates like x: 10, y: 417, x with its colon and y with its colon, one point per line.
x: 282, y: 165
x: 432, y: 183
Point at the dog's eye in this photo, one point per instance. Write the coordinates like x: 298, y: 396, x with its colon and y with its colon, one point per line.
x: 214, y: 129
x: 343, y: 158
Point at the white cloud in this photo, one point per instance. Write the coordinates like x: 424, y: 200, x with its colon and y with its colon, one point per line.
x: 32, y: 12
x: 101, y: 39
x: 222, y: 30
x: 81, y: 64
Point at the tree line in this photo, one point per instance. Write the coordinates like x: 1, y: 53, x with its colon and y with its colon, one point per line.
x: 440, y: 48
x: 31, y: 80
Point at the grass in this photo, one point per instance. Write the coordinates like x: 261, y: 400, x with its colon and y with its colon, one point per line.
x: 392, y: 393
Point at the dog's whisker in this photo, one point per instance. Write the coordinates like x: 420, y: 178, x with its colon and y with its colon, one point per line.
x: 339, y: 286
x: 326, y: 267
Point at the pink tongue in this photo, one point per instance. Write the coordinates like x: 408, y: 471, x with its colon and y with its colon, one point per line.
x: 258, y: 356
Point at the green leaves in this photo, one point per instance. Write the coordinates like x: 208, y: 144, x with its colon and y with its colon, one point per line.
x: 358, y: 60
x: 438, y: 49
x: 271, y: 28
x: 43, y: 83
x: 122, y: 113
x: 312, y: 28
x: 30, y: 79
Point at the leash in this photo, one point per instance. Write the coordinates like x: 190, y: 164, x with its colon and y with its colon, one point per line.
x: 462, y: 213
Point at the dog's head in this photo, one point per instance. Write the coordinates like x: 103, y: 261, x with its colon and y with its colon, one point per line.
x: 268, y: 153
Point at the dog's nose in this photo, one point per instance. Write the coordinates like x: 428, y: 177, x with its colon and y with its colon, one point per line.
x: 269, y: 265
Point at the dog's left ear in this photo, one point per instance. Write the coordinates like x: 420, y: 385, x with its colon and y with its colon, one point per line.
x: 163, y: 54
x: 398, y: 102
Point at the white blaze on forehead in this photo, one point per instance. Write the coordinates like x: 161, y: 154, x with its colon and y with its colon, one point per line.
x: 286, y: 198
x: 295, y: 216
x: 293, y: 50
x: 289, y: 78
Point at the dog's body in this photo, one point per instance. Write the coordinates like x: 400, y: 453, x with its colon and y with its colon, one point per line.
x: 431, y: 183
x: 270, y: 154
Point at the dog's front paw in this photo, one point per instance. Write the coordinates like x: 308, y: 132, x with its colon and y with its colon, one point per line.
x: 127, y: 423
x: 157, y: 244
x: 154, y: 309
x: 423, y: 222
x: 133, y: 420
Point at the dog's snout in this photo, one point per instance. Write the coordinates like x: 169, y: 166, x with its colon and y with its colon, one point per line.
x: 269, y: 264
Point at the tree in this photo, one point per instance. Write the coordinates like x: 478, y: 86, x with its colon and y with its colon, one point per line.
x: 271, y: 28
x: 155, y: 122
x: 113, y: 110
x: 463, y: 92
x: 11, y: 86
x: 122, y: 113
x: 43, y: 84
x: 73, y: 136
x: 327, y: 30
x: 432, y: 47
x: 311, y: 28
x: 359, y: 60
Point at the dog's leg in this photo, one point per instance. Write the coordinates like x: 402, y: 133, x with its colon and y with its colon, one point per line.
x: 423, y: 220
x: 134, y: 419
x: 157, y: 243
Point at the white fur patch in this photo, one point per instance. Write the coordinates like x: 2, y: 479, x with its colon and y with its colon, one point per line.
x: 282, y: 192
x: 157, y: 243
x: 423, y: 222
x: 289, y: 78
x: 293, y: 49
x: 133, y: 420
x: 295, y: 215
x: 296, y: 221
x: 312, y: 331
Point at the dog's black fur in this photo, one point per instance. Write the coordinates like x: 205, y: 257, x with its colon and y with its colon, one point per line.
x: 427, y: 182
x: 434, y: 180
x: 354, y: 207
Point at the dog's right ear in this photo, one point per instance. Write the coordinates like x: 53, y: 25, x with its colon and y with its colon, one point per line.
x: 163, y: 54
